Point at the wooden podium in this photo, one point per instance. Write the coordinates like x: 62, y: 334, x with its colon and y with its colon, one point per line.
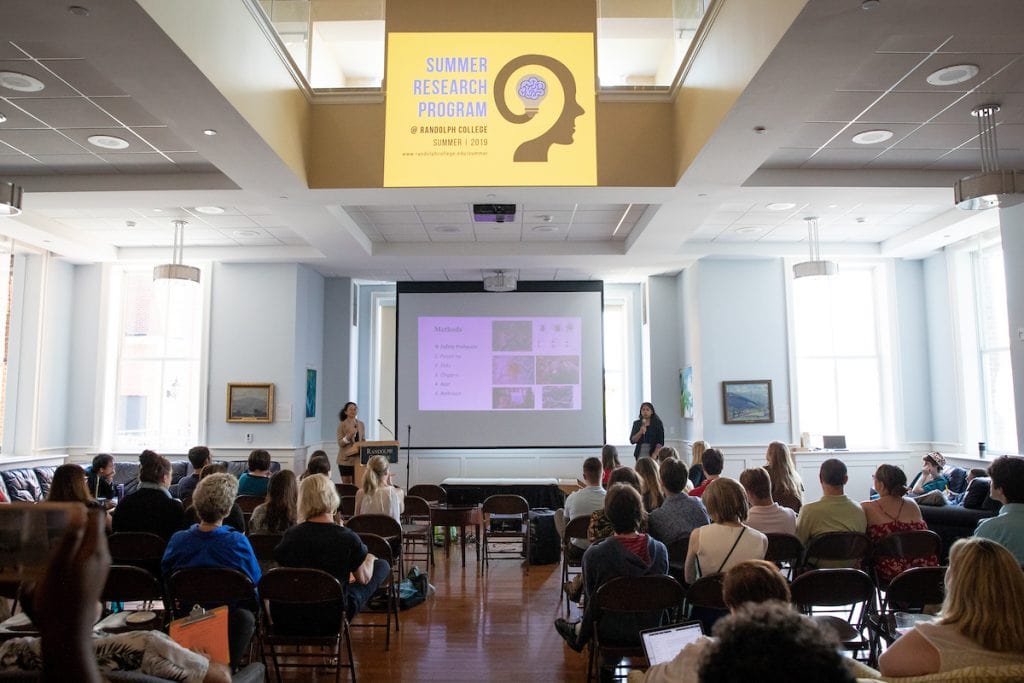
x: 368, y: 449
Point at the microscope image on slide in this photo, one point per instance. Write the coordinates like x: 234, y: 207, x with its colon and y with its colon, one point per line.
x: 512, y: 335
x: 513, y: 398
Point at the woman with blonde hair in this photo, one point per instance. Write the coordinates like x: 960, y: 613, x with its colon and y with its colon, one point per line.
x: 982, y: 623
x: 697, y: 474
x: 787, y: 487
x: 650, y: 484
x: 379, y: 495
x: 727, y: 541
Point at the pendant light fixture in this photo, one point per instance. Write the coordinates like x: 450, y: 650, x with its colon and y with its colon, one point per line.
x: 992, y: 187
x: 815, y: 266
x: 176, y: 269
x: 10, y: 199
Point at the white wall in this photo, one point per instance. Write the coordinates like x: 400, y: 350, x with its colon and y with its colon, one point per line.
x: 337, y: 352
x: 54, y: 357
x: 252, y: 339
x: 665, y: 322
x: 741, y: 307
x: 1011, y: 223
x: 86, y: 358
x: 943, y: 365
x: 309, y: 353
x: 914, y: 380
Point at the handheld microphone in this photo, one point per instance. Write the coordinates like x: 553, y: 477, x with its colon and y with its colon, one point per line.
x: 381, y: 423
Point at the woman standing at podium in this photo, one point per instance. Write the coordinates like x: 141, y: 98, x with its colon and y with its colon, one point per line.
x: 350, y: 432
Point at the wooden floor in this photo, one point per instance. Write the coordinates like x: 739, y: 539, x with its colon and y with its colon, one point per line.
x: 499, y: 627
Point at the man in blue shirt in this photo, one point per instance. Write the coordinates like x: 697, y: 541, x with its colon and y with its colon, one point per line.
x: 1006, y: 528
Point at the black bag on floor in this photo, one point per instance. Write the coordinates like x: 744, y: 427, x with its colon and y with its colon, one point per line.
x: 545, y: 545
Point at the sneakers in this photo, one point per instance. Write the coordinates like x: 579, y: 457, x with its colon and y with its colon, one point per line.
x: 567, y: 630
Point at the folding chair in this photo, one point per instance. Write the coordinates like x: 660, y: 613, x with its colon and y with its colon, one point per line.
x: 380, y: 547
x: 643, y: 601
x: 918, y: 548
x: 126, y: 583
x: 909, y: 591
x: 677, y: 550
x: 416, y: 531
x: 837, y: 588
x: 848, y: 547
x: 432, y: 493
x: 704, y: 601
x: 137, y: 548
x: 312, y: 589
x: 347, y: 508
x: 513, y: 513
x: 210, y: 586
x: 572, y: 556
x: 247, y: 504
x: 263, y: 546
x: 386, y: 527
x: 785, y: 550
x: 346, y: 490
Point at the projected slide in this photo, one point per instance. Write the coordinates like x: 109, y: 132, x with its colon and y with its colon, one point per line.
x: 499, y: 363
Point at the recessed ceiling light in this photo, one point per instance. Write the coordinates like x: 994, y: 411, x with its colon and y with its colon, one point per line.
x: 951, y: 75
x: 12, y: 80
x: 780, y: 206
x: 246, y: 233
x: 108, y: 142
x: 209, y: 210
x: 871, y: 137
x: 544, y: 228
x: 547, y: 218
x: 2, y: 118
x: 833, y: 206
x: 209, y: 131
x: 446, y: 228
x: 158, y: 210
x: 748, y: 230
x: 78, y: 10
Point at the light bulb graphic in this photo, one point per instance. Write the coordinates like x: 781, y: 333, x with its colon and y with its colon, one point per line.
x: 532, y: 90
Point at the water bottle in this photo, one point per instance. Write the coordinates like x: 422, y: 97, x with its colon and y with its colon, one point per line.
x: 981, y: 449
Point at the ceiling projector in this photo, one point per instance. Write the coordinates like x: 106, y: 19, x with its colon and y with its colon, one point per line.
x: 500, y: 282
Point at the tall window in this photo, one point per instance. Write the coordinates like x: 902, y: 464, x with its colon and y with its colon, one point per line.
x: 985, y: 342
x: 158, y: 369
x: 841, y: 369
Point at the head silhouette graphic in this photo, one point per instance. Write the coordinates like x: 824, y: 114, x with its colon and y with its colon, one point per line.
x: 532, y: 89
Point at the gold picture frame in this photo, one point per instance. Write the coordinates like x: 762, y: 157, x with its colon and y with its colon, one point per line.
x: 250, y: 402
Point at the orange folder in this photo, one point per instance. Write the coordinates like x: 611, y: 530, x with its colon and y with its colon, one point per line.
x: 204, y: 631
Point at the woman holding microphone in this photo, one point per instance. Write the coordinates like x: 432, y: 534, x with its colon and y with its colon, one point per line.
x: 647, y: 433
x: 350, y: 432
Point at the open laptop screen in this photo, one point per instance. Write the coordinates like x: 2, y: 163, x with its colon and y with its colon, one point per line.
x: 662, y: 644
x: 834, y: 443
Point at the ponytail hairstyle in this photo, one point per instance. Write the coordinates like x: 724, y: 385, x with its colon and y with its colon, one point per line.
x: 376, y: 472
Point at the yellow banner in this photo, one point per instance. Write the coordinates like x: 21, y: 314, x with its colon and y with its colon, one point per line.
x: 483, y: 109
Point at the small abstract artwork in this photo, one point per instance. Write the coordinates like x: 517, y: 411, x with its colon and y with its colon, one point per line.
x: 748, y: 402
x: 310, y: 393
x: 686, y: 392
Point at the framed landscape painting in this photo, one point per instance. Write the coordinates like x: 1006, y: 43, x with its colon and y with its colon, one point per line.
x: 748, y: 402
x: 250, y: 402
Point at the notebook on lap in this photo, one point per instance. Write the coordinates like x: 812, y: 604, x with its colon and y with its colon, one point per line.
x: 662, y: 644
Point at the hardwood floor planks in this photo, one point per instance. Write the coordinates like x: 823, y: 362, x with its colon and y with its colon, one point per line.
x: 493, y: 628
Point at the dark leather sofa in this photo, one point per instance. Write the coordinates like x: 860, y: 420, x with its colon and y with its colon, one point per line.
x: 953, y: 522
x: 32, y: 484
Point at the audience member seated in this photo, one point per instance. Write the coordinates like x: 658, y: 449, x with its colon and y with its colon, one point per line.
x: 765, y: 514
x: 696, y: 474
x: 679, y: 514
x: 974, y: 494
x: 982, y: 623
x: 753, y: 581
x: 151, y: 508
x: 893, y: 513
x: 834, y: 511
x: 609, y: 462
x: 727, y: 541
x: 68, y: 486
x: 100, y: 478
x: 586, y: 501
x: 1007, y: 527
x: 771, y: 643
x: 787, y: 487
x: 255, y: 481
x: 62, y: 605
x: 379, y: 494
x: 930, y: 478
x: 712, y: 462
x: 199, y: 457
x: 650, y: 484
x: 278, y: 514
x: 600, y: 525
x: 211, y: 544
x: 318, y: 464
x: 235, y: 518
x: 664, y: 453
x: 627, y: 553
x: 318, y: 543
